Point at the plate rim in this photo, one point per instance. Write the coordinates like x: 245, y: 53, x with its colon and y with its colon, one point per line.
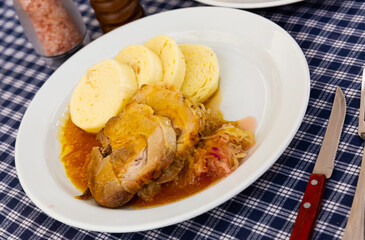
x: 197, y: 211
x: 246, y: 5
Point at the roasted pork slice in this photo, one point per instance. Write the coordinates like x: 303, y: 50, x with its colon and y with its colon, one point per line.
x: 140, y: 146
x: 187, y: 118
x: 183, y: 112
x: 104, y: 185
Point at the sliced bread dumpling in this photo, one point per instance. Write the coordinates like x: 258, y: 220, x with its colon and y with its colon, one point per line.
x: 173, y: 61
x: 202, y: 72
x: 145, y: 63
x: 101, y: 94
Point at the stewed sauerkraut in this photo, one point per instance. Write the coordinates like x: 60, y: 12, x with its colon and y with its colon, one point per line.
x: 220, y: 152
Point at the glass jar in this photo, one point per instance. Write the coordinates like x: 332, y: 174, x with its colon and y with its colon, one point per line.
x: 54, y: 28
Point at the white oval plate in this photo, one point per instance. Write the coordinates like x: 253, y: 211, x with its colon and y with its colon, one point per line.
x: 263, y: 74
x: 248, y: 3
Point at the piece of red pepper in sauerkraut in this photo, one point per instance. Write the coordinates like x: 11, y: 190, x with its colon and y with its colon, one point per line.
x: 220, y: 153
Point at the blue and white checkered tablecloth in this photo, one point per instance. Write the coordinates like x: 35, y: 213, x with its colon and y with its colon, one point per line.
x: 331, y: 34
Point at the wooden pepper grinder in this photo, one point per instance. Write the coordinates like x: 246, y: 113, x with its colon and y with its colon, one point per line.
x: 114, y: 13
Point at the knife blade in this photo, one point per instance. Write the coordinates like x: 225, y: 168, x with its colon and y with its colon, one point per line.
x: 312, y: 199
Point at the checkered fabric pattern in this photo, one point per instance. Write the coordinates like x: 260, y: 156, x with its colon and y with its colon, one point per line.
x: 331, y: 34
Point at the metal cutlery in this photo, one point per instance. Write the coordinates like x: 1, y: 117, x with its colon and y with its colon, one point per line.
x: 312, y: 199
x: 355, y: 224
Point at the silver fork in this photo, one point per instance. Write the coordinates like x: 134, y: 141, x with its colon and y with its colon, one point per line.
x: 355, y: 224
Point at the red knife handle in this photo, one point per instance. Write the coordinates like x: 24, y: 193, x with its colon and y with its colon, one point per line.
x: 309, y: 208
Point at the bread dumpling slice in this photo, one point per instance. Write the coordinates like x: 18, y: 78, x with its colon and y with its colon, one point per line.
x: 101, y: 94
x: 145, y: 63
x: 202, y: 72
x: 173, y: 61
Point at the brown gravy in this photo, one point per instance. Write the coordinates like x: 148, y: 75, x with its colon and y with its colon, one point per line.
x: 75, y: 153
x: 173, y: 191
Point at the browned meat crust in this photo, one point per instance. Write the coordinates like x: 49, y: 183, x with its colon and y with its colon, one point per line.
x: 136, y: 147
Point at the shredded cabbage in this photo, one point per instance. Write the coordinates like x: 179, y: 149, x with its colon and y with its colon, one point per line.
x: 220, y: 153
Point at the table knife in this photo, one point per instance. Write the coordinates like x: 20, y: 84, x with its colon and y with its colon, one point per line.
x: 312, y: 199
